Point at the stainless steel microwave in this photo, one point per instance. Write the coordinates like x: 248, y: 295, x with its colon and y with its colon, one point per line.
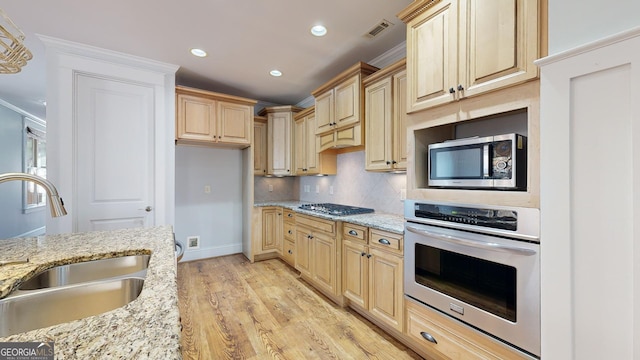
x: 491, y: 162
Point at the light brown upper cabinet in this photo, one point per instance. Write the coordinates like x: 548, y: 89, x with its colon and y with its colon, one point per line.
x: 386, y: 119
x: 259, y: 145
x: 280, y: 143
x: 462, y: 48
x: 307, y: 159
x: 339, y: 105
x: 208, y: 118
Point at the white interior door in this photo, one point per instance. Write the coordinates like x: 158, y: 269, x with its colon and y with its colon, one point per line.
x: 114, y: 166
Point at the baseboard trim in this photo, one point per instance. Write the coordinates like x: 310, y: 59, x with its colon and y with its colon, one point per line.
x: 203, y: 253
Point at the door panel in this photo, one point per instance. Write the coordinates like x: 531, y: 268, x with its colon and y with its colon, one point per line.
x: 114, y: 165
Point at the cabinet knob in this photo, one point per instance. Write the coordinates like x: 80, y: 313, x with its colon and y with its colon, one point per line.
x: 460, y: 87
x: 452, y: 90
x: 290, y: 252
x: 388, y: 162
x: 219, y: 137
x: 369, y: 256
x: 363, y: 254
x: 428, y: 337
x: 290, y: 232
x: 394, y: 162
x: 290, y: 215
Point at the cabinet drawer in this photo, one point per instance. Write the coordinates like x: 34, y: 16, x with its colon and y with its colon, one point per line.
x: 289, y: 215
x: 354, y: 232
x: 386, y: 240
x: 454, y: 339
x: 289, y: 252
x: 289, y: 231
x: 326, y: 226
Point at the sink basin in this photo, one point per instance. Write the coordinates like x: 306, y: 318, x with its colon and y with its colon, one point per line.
x: 29, y: 310
x: 86, y: 271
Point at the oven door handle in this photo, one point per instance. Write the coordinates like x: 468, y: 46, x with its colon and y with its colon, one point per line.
x: 474, y: 243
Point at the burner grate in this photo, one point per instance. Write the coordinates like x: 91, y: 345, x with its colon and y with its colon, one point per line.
x: 335, y: 209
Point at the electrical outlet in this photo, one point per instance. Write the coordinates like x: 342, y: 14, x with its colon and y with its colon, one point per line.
x: 331, y: 190
x: 270, y: 188
x: 306, y: 188
x: 317, y: 189
x: 207, y: 189
x: 193, y: 242
x: 403, y: 194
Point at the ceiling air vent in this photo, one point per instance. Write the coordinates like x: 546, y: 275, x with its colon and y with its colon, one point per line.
x: 379, y: 28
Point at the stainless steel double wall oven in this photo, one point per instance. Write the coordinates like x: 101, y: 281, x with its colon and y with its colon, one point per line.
x: 479, y: 264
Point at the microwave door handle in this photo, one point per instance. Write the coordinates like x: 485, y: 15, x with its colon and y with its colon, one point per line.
x: 485, y: 161
x: 474, y: 243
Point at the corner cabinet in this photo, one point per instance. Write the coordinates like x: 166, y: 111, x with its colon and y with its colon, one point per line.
x: 259, y: 145
x: 339, y: 106
x: 280, y: 139
x: 208, y: 118
x: 386, y: 119
x: 462, y: 48
x: 307, y: 158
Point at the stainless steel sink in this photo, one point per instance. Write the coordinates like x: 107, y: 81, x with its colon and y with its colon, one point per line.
x: 28, y: 310
x: 87, y: 271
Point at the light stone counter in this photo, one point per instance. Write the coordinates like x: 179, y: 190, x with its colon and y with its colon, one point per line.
x: 381, y: 221
x: 146, y: 328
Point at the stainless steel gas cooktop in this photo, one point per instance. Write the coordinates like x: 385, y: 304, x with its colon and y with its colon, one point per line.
x: 335, y: 209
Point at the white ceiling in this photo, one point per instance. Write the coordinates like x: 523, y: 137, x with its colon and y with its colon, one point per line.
x: 244, y: 39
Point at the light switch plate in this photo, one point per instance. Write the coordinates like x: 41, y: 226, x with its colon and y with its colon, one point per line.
x: 270, y: 188
x: 207, y: 189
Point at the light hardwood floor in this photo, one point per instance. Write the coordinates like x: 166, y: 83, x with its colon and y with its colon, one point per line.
x: 232, y: 309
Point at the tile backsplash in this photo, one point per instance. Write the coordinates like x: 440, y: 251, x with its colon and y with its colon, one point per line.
x: 283, y: 188
x: 354, y: 186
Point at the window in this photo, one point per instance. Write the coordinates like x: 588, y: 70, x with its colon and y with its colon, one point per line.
x: 35, y: 163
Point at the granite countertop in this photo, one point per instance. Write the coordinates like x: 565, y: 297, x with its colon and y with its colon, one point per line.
x: 146, y: 328
x: 381, y: 221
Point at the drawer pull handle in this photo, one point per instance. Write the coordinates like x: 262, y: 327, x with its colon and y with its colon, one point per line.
x: 384, y: 242
x: 353, y: 232
x: 428, y: 337
x: 290, y: 215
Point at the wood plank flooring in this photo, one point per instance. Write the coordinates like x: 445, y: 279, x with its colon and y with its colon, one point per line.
x: 232, y: 309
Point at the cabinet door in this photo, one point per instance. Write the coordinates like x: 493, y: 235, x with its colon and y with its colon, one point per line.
x: 500, y: 44
x: 299, y: 154
x: 279, y: 144
x: 234, y: 123
x: 196, y: 118
x: 347, y: 102
x: 432, y: 56
x: 355, y: 273
x: 324, y: 112
x: 378, y: 114
x: 303, y: 251
x: 386, y: 287
x: 312, y: 144
x: 259, y: 148
x: 324, y: 267
x: 399, y: 139
x: 271, y: 228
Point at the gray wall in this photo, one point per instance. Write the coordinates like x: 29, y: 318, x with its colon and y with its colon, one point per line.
x: 217, y: 216
x: 13, y: 221
x: 577, y: 22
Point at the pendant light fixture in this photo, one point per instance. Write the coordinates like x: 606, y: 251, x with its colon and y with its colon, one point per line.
x: 13, y: 54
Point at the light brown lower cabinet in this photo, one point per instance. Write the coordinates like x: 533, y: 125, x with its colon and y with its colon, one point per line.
x: 436, y: 336
x: 373, y: 277
x: 317, y: 255
x: 272, y: 229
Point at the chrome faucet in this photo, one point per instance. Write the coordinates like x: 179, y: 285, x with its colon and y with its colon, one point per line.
x: 55, y: 202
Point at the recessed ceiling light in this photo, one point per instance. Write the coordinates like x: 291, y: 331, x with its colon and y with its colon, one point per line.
x: 319, y: 30
x: 275, y: 73
x: 199, y: 52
